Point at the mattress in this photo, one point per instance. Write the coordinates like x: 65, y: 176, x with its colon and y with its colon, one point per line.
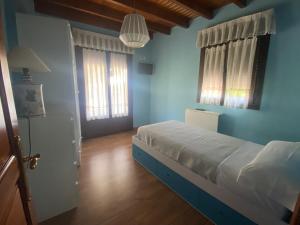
x: 200, y: 150
x: 213, y: 156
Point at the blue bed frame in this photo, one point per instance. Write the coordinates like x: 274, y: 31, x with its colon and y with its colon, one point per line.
x: 214, y: 209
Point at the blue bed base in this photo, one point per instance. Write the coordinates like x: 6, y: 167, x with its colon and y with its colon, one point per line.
x: 203, y: 202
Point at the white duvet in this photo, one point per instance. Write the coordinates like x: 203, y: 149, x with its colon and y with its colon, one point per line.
x: 200, y: 150
x: 216, y: 157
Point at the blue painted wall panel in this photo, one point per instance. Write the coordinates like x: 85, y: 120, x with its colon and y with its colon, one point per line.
x: 174, y: 84
x: 141, y: 82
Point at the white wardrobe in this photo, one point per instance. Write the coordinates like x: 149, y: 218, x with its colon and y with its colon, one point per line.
x: 57, y: 137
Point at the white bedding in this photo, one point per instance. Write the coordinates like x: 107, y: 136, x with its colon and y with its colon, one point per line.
x: 213, y: 156
x: 228, y: 173
x: 274, y: 172
x: 200, y: 150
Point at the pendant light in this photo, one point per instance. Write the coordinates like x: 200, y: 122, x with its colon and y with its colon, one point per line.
x: 134, y: 32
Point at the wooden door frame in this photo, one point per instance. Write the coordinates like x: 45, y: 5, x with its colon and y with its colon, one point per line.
x: 10, y: 117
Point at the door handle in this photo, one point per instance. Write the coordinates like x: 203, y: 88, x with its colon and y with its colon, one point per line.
x: 31, y: 160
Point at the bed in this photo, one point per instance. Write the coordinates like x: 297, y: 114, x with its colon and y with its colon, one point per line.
x: 206, y: 177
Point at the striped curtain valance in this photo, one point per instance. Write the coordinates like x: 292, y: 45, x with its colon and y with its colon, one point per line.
x: 87, y: 39
x: 261, y: 23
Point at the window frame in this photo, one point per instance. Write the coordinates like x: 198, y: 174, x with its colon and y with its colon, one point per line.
x: 258, y: 74
x: 100, y: 127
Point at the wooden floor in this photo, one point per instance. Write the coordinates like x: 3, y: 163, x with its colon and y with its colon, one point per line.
x: 116, y: 190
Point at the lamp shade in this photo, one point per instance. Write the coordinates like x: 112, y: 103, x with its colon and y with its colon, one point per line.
x: 20, y: 58
x: 134, y: 32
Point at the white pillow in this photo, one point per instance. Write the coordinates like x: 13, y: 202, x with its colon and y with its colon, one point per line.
x: 275, y: 172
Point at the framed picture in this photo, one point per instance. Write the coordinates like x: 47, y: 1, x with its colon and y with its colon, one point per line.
x: 29, y: 100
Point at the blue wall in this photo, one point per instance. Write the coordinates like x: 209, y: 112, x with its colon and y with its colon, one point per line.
x: 141, y: 87
x: 141, y: 83
x: 174, y: 84
x: 8, y: 10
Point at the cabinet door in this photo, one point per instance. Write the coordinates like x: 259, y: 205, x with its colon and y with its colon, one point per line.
x: 52, y: 136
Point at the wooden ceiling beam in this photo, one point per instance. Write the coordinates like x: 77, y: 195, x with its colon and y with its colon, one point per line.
x: 103, y: 11
x: 156, y: 11
x: 240, y: 3
x: 196, y: 7
x: 71, y: 14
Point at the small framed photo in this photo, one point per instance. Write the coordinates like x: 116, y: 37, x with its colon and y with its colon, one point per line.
x: 29, y: 100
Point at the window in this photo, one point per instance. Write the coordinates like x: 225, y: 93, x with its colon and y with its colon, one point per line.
x: 118, y: 85
x: 104, y: 78
x: 106, y: 84
x: 232, y: 73
x: 233, y: 60
x: 96, y: 84
x: 212, y: 78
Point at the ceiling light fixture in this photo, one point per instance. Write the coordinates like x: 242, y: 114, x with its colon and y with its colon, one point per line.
x: 134, y: 32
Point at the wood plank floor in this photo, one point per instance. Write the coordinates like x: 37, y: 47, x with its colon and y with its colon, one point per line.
x: 116, y: 190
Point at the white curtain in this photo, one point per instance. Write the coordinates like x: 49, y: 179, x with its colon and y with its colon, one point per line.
x: 96, y: 85
x: 88, y: 39
x: 240, y: 61
x: 212, y: 84
x: 119, y: 85
x: 261, y: 23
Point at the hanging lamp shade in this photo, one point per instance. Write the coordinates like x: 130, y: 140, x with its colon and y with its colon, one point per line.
x: 134, y: 32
